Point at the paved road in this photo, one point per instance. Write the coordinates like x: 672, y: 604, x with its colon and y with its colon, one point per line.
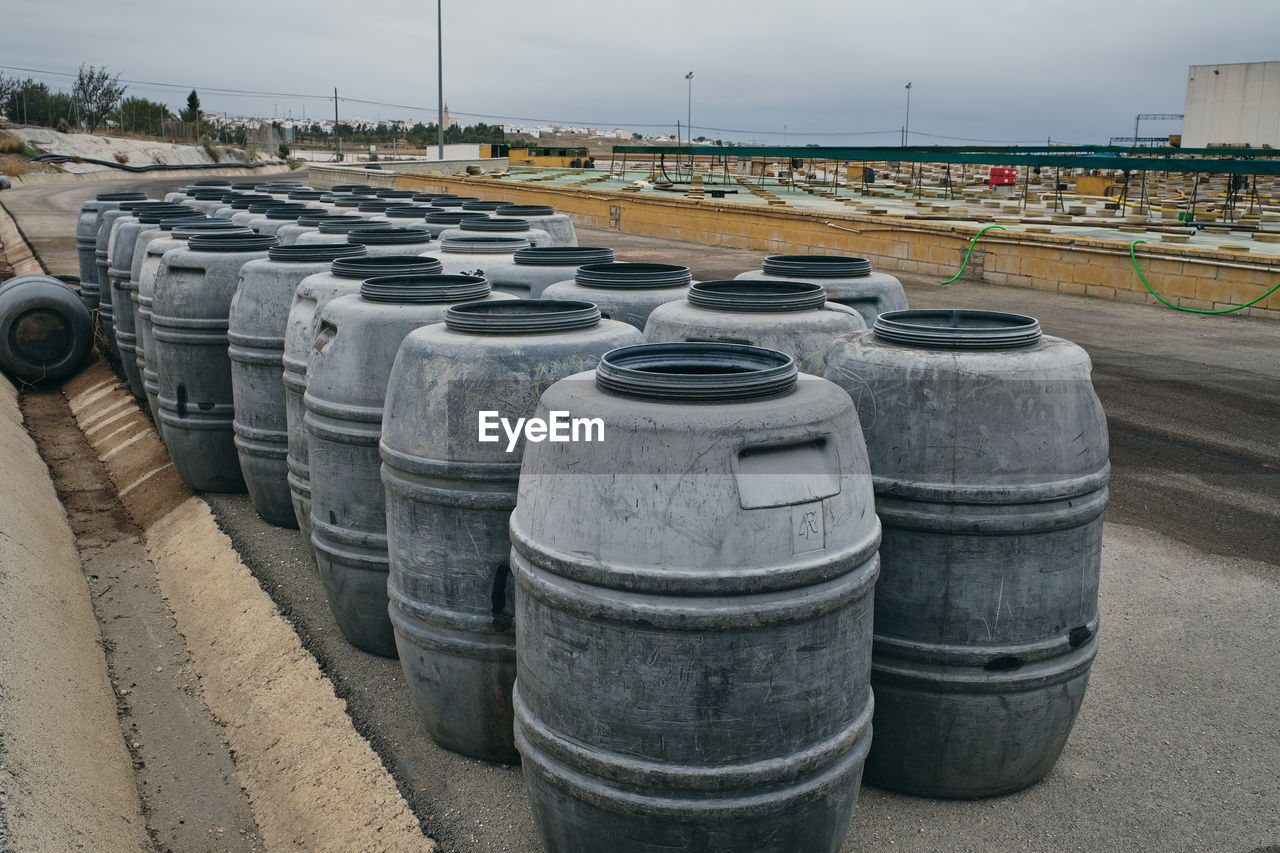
x: 1178, y: 742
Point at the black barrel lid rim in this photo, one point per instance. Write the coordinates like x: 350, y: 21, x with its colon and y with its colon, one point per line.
x: 286, y: 212
x: 390, y: 193
x: 388, y: 236
x: 452, y: 201
x: 307, y: 195
x: 453, y: 217
x: 425, y: 288
x: 633, y: 276
x: 563, y: 256
x: 120, y: 197
x: 483, y: 245
x: 478, y: 204
x: 526, y: 210
x: 231, y: 242
x: 957, y: 329
x: 476, y: 224
x: 696, y: 372
x: 375, y: 205
x: 819, y: 266
x: 314, y: 252
x: 343, y: 224
x: 406, y: 211
x: 755, y: 296
x: 154, y: 217
x: 316, y: 218
x: 522, y: 317
x: 183, y: 230
x: 373, y: 266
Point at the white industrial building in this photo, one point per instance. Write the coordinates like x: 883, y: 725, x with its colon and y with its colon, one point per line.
x: 1232, y: 104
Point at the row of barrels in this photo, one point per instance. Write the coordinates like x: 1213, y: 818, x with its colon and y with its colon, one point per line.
x: 676, y: 618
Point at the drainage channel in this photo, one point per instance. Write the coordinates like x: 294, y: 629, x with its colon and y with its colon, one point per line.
x: 182, y: 766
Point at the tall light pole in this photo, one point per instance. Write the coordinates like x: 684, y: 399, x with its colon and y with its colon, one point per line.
x: 689, y: 123
x: 689, y: 116
x: 906, y: 127
x: 440, y: 79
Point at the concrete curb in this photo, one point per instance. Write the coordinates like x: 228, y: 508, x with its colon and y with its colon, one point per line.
x: 66, y: 779
x: 14, y: 246
x: 313, y: 782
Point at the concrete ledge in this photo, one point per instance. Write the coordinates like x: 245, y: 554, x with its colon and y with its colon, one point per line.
x: 66, y: 779
x: 313, y: 782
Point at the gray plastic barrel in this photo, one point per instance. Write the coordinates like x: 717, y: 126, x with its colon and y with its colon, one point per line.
x: 131, y: 237
x: 440, y: 221
x: 121, y: 227
x: 471, y: 254
x: 347, y: 372
x: 256, y: 325
x: 624, y: 291
x: 789, y: 316
x: 848, y: 281
x: 274, y: 218
x: 392, y: 240
x: 194, y: 286
x: 239, y: 204
x: 255, y: 210
x: 341, y: 223
x: 309, y: 222
x: 449, y: 497
x: 989, y: 450
x: 46, y: 331
x: 101, y: 247
x: 87, y: 237
x: 528, y: 272
x: 558, y: 225
x: 207, y: 200
x: 694, y: 607
x: 505, y: 227
x: 173, y: 234
x: 312, y: 294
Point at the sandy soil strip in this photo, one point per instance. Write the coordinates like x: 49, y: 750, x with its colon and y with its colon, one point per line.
x: 313, y: 781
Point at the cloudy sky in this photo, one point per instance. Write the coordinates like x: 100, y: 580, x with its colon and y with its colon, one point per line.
x: 824, y: 71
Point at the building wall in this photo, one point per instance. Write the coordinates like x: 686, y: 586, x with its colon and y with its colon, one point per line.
x: 1235, y: 103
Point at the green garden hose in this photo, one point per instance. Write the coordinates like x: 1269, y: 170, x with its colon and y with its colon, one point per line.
x: 972, y: 243
x: 1132, y: 249
x: 1134, y: 257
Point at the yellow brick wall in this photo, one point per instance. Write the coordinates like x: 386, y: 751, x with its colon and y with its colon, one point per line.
x: 1187, y: 276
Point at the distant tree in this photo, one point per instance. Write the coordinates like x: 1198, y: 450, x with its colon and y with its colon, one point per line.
x: 9, y: 86
x: 34, y: 103
x: 98, y: 93
x: 191, y: 114
x: 139, y: 115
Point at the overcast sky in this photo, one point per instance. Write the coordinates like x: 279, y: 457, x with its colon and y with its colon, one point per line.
x: 1015, y: 71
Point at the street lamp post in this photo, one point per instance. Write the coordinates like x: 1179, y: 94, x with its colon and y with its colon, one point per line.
x: 440, y: 80
x: 906, y: 127
x: 689, y: 116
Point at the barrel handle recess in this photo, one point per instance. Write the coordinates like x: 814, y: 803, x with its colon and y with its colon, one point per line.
x: 325, y: 335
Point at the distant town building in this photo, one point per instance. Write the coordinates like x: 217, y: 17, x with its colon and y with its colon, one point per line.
x: 448, y: 120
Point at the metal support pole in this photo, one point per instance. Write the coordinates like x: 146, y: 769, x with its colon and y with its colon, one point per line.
x: 440, y: 79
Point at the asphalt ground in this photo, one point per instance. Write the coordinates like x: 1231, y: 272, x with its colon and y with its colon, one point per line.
x: 1178, y: 743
